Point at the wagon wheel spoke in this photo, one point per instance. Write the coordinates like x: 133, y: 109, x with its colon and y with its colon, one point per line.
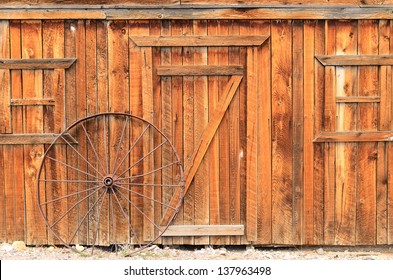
x: 69, y: 181
x: 97, y: 190
x: 140, y: 211
x: 81, y: 156
x: 148, y: 185
x: 98, y: 225
x: 106, y: 146
x: 119, y: 146
x: 127, y: 219
x: 150, y: 172
x: 92, y: 147
x: 149, y: 198
x: 72, y: 167
x: 142, y: 158
x: 130, y: 150
x: 84, y: 217
x: 73, y: 206
x: 113, y: 220
x: 70, y: 195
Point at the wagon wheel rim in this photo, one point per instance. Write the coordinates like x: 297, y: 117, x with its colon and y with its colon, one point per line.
x: 113, y: 186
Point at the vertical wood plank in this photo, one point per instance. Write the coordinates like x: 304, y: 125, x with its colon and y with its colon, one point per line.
x: 213, y: 152
x: 223, y: 29
x: 189, y: 122
x: 118, y: 85
x: 102, y: 67
x: 200, y: 122
x: 368, y: 40
x: 7, y: 152
x: 147, y: 101
x: 17, y: 127
x: 81, y: 99
x: 385, y: 108
x: 167, y: 117
x: 244, y: 29
x: 329, y: 116
x: 390, y: 152
x: 234, y: 143
x: 318, y: 149
x: 71, y: 114
x: 299, y: 129
x: 308, y: 105
x: 155, y: 30
x: 5, y: 82
x: 102, y: 106
x: 9, y: 192
x: 282, y: 194
x: 92, y: 108
x: 346, y: 154
x: 91, y: 67
x: 177, y: 99
x: 33, y: 123
x: 252, y: 143
x: 136, y: 108
x: 264, y: 160
x: 53, y: 47
x: 3, y: 220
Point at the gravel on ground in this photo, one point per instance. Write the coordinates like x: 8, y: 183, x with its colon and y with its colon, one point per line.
x: 18, y: 251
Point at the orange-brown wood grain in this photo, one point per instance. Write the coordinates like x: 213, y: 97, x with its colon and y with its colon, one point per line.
x: 282, y: 170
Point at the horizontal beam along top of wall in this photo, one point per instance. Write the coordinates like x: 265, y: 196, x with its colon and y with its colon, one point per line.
x: 356, y: 60
x: 37, y: 63
x: 217, y: 12
x: 197, y: 41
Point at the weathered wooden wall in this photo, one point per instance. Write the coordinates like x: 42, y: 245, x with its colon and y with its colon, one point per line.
x: 275, y: 165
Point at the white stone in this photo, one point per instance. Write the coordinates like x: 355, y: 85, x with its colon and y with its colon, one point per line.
x: 19, y: 245
x: 79, y: 248
x: 320, y: 251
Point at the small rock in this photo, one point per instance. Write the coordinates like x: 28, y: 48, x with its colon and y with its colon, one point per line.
x: 79, y: 248
x: 51, y: 249
x: 6, y: 247
x: 320, y: 251
x: 222, y: 251
x: 19, y: 245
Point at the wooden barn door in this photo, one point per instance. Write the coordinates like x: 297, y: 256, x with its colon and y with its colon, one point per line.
x: 199, y: 78
x: 356, y: 134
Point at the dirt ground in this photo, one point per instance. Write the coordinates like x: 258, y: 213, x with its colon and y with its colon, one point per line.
x: 9, y: 252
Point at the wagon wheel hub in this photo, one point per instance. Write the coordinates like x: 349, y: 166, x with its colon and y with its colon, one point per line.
x: 108, y: 181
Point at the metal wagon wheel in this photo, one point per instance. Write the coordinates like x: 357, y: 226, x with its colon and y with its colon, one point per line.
x: 109, y: 179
